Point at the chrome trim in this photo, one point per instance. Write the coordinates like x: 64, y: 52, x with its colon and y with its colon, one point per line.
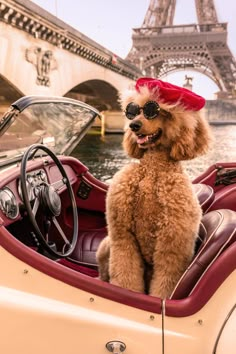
x: 222, y: 328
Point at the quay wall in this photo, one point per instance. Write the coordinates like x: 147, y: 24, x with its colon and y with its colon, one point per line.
x: 220, y: 111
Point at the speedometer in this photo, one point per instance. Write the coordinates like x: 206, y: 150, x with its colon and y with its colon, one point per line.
x: 8, y: 203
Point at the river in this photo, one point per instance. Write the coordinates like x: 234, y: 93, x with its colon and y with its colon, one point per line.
x: 104, y: 155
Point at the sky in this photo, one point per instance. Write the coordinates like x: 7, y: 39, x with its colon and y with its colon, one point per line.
x: 110, y: 23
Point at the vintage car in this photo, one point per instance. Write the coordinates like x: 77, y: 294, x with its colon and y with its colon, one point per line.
x: 52, y: 219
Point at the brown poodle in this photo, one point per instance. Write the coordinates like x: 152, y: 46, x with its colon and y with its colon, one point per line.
x: 153, y: 214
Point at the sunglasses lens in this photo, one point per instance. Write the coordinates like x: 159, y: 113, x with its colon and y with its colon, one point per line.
x: 132, y: 110
x: 151, y: 110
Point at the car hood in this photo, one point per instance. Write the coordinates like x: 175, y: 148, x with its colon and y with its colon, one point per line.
x: 57, y: 122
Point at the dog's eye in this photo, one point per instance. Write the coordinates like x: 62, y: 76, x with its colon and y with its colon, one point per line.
x: 132, y: 110
x: 151, y: 110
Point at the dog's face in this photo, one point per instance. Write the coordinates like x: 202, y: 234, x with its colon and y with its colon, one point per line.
x: 182, y: 134
x: 147, y: 123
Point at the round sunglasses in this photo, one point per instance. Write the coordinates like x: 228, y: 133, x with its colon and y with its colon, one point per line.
x: 151, y: 110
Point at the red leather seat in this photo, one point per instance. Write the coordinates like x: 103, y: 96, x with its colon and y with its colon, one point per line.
x: 86, y: 247
x: 205, y: 194
x: 83, y: 258
x: 217, y: 232
x: 224, y: 198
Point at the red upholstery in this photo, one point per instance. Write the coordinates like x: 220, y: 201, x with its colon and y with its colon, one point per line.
x: 224, y: 198
x: 217, y: 232
x: 205, y: 195
x: 87, y: 245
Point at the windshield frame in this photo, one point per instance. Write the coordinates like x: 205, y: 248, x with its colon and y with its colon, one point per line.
x: 24, y: 102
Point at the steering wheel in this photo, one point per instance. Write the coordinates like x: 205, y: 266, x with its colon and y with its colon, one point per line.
x: 47, y: 198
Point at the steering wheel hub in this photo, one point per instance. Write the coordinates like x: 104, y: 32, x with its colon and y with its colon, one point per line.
x: 51, y: 200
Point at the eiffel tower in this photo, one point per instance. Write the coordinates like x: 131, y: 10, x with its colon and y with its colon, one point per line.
x: 159, y: 47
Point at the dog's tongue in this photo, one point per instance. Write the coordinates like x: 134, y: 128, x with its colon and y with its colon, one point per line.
x: 142, y: 139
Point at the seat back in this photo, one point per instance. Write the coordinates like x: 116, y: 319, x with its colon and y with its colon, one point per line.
x: 205, y: 194
x: 216, y: 233
x: 224, y: 199
x: 86, y: 247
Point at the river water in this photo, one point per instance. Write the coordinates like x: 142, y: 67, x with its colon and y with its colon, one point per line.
x: 104, y: 155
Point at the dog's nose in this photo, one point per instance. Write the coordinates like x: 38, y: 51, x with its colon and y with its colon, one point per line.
x: 135, y: 126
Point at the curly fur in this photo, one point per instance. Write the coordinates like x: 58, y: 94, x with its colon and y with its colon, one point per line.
x: 152, y: 212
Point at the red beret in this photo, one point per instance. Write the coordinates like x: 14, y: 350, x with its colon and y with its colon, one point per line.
x: 169, y: 93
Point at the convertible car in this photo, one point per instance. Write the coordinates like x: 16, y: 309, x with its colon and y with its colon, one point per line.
x: 52, y: 219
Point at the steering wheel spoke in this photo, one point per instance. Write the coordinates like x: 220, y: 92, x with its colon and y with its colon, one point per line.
x: 59, y: 229
x: 35, y: 206
x: 48, y: 201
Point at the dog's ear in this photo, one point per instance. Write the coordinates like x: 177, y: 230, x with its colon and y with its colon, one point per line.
x: 130, y: 145
x: 193, y: 140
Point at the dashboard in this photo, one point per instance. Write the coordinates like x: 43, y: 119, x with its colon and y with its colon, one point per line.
x: 9, y: 203
x: 89, y: 192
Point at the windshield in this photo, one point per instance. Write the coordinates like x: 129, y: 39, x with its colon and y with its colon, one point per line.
x: 59, y: 125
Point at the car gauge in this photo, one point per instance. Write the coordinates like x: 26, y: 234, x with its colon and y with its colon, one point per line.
x: 8, y: 203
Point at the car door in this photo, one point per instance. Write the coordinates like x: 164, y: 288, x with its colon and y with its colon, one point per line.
x: 42, y: 314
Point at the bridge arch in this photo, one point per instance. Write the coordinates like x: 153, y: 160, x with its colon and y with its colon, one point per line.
x: 180, y: 77
x: 98, y: 93
x: 8, y: 93
x: 160, y: 65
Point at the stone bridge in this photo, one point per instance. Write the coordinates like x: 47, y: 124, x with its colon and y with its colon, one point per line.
x: 40, y: 54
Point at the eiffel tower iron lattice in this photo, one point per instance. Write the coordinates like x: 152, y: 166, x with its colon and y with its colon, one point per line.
x: 159, y: 47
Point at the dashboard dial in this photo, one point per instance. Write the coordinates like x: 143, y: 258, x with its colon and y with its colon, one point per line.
x: 33, y: 179
x: 8, y: 203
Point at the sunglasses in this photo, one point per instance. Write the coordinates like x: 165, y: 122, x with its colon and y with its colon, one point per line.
x: 151, y: 110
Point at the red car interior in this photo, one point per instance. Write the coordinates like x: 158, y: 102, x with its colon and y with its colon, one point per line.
x: 215, y: 248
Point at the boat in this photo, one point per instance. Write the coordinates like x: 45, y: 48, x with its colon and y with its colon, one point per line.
x: 52, y: 219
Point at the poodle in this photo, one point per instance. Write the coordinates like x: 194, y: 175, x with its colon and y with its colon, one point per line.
x: 152, y: 213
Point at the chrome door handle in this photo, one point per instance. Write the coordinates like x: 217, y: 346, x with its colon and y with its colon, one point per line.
x: 116, y: 347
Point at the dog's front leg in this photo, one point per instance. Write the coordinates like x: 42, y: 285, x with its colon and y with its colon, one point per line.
x: 103, y: 256
x: 170, y: 260
x: 126, y: 266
